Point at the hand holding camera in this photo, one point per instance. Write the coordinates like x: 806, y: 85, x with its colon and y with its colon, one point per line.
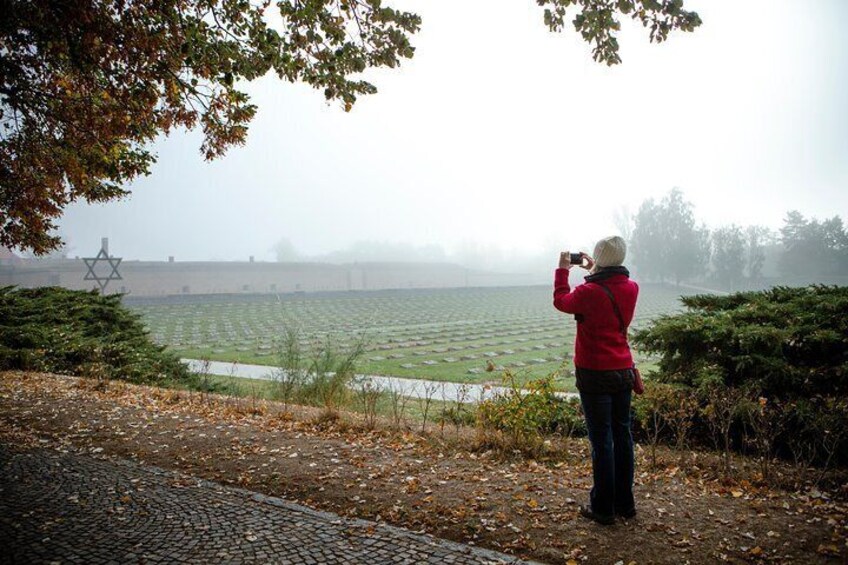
x: 567, y: 259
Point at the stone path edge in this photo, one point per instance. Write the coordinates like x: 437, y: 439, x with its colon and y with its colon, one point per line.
x: 354, y: 523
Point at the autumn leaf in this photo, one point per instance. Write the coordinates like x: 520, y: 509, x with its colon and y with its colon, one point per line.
x: 828, y: 549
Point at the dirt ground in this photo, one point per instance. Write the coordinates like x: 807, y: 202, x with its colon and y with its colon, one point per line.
x: 440, y: 484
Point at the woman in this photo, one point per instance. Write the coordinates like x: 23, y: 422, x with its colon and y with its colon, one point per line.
x: 603, y: 308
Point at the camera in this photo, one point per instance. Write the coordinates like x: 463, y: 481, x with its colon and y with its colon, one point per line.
x: 576, y: 259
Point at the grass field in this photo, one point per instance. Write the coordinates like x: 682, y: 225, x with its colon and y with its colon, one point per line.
x: 439, y: 334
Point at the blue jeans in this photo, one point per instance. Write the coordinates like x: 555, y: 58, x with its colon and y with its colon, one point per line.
x: 608, y: 422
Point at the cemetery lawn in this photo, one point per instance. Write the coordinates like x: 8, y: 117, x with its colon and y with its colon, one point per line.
x: 440, y: 484
x: 437, y: 334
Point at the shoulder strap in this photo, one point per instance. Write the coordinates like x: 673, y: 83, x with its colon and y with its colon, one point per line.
x: 621, y: 326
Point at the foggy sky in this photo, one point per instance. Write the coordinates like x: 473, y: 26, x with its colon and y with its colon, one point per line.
x: 501, y: 134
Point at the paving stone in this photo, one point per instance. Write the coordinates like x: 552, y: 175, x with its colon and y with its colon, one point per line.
x: 66, y: 507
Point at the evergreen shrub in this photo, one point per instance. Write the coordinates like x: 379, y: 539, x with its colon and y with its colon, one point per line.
x: 784, y: 348
x: 57, y: 330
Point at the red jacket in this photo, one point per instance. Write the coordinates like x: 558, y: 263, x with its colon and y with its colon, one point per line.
x: 599, y: 345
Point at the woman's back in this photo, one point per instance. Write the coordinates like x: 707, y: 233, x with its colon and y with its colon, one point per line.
x: 600, y: 345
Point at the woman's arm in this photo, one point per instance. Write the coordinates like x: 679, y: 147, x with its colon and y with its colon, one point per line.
x: 562, y: 291
x: 565, y: 300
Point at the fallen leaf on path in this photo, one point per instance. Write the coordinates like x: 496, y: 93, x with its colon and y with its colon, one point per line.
x: 829, y: 549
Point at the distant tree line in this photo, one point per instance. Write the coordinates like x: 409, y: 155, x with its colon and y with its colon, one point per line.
x: 669, y: 244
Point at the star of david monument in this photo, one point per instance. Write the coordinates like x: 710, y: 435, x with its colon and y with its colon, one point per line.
x: 102, y: 268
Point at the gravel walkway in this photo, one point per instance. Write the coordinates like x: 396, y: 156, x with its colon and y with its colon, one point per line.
x: 70, y: 508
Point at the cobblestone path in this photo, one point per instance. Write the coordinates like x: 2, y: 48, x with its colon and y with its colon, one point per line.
x: 69, y: 508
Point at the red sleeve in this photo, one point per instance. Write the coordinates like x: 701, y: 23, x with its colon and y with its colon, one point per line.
x: 564, y: 299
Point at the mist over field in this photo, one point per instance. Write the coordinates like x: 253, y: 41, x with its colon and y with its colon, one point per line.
x: 351, y: 326
x: 468, y: 254
x: 500, y: 144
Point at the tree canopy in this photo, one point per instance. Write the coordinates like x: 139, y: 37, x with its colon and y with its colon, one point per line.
x: 816, y: 246
x: 667, y: 242
x: 728, y: 254
x: 87, y: 85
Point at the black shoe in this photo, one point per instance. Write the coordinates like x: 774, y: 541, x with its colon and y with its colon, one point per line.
x: 626, y: 514
x: 587, y: 512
